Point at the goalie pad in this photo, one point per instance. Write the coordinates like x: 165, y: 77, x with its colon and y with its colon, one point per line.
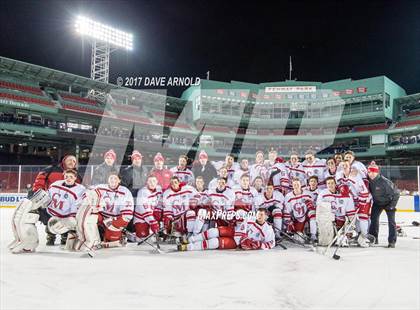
x: 59, y: 226
x: 325, y: 223
x: 24, y: 229
x: 40, y: 199
x: 87, y: 223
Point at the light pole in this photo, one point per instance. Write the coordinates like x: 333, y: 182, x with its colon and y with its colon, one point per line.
x: 104, y: 40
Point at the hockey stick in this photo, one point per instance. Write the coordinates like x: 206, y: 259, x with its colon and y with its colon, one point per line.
x: 288, y: 237
x: 279, y: 242
x: 349, y: 226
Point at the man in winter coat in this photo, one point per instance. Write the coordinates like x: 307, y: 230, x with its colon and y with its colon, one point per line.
x: 385, y: 197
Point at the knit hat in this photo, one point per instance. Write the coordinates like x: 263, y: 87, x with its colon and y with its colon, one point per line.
x: 158, y: 157
x: 203, y: 155
x: 373, y: 167
x: 111, y: 153
x: 136, y: 154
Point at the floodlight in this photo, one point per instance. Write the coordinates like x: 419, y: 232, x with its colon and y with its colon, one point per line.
x: 98, y: 31
x: 105, y: 39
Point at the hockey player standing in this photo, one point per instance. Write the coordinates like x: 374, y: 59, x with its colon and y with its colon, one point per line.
x: 314, y: 166
x: 243, y: 169
x: 162, y: 174
x: 184, y: 174
x: 296, y: 170
x: 354, y: 164
x: 279, y: 176
x: 103, y: 171
x: 361, y: 197
x: 258, y: 168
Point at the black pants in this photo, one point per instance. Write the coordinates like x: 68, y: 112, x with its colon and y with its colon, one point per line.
x: 374, y: 223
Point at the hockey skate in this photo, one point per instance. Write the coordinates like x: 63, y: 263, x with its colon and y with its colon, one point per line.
x: 50, y: 239
x: 362, y: 241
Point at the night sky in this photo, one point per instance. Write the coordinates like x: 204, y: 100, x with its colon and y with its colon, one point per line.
x: 235, y: 41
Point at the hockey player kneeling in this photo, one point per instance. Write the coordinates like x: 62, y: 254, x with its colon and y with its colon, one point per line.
x: 333, y: 206
x: 116, y: 208
x: 252, y: 234
x: 298, y: 210
x: 178, y: 218
x: 148, y: 208
x: 59, y: 216
x: 56, y: 209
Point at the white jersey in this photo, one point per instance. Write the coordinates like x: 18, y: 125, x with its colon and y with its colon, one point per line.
x: 115, y: 202
x: 341, y: 206
x: 296, y: 206
x: 296, y: 171
x: 317, y: 168
x: 275, y: 202
x: 185, y: 175
x: 361, y: 169
x: 147, y: 201
x: 201, y: 198
x: 213, y: 184
x: 231, y: 170
x: 280, y: 178
x: 254, y: 231
x: 245, y: 198
x: 238, y: 174
x: 328, y: 174
x: 313, y: 193
x: 256, y: 170
x: 176, y: 203
x: 357, y: 187
x: 222, y: 200
x: 64, y: 199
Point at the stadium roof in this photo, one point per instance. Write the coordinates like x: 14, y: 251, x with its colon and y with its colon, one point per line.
x: 51, y: 77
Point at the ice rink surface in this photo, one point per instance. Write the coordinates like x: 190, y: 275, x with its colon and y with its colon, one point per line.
x: 135, y: 278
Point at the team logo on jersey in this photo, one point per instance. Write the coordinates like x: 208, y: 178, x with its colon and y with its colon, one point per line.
x: 341, y: 201
x: 66, y: 195
x: 257, y: 235
x: 316, y: 171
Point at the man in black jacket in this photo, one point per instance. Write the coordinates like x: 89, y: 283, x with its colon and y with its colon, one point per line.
x: 102, y: 172
x: 134, y: 177
x: 385, y: 197
x: 204, y: 168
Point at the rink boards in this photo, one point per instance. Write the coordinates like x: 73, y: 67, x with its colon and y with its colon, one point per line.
x: 405, y: 204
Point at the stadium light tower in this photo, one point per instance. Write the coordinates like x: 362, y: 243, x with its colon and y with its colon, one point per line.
x: 105, y: 40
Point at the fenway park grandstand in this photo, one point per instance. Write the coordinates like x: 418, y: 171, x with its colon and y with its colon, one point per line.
x: 45, y: 114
